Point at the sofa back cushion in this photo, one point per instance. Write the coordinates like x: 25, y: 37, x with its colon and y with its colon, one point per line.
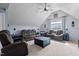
x: 59, y: 32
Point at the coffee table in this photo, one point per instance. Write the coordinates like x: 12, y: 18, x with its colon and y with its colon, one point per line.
x: 42, y: 41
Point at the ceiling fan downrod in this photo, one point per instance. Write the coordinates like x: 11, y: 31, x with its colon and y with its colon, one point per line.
x: 45, y: 9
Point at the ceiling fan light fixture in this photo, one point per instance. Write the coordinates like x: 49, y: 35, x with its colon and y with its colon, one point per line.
x: 3, y: 9
x: 45, y: 9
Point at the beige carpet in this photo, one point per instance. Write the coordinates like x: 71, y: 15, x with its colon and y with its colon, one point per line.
x: 54, y: 49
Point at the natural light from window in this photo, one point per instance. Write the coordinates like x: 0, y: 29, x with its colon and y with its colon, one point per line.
x: 56, y: 25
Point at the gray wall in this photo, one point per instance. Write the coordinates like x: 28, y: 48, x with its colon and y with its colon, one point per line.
x: 25, y: 14
x: 73, y: 31
x: 47, y: 24
x: 49, y: 18
x: 20, y: 27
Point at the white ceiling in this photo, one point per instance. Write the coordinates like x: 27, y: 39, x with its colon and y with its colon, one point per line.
x: 29, y: 13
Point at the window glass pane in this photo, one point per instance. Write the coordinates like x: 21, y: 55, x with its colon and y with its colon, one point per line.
x: 56, y: 25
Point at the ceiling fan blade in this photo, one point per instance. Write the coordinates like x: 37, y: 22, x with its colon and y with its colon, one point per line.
x: 48, y: 5
x: 51, y: 9
x: 40, y: 8
x: 40, y: 11
x: 45, y: 8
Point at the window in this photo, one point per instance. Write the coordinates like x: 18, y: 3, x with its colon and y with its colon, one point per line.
x: 56, y: 25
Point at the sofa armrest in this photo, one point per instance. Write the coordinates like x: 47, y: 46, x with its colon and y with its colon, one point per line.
x: 16, y: 49
x: 59, y: 35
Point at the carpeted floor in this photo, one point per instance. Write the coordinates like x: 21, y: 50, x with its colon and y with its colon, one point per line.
x: 54, y: 49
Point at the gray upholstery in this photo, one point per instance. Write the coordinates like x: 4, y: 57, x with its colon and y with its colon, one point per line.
x: 28, y: 34
x: 16, y: 49
x: 57, y: 35
x: 52, y: 31
x: 42, y: 41
x: 12, y: 49
x: 8, y: 34
x: 59, y: 32
x: 4, y: 39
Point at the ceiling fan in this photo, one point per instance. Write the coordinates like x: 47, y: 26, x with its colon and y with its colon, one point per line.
x: 46, y: 8
x: 4, y: 9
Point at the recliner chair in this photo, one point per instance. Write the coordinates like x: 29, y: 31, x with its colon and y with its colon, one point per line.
x: 59, y: 35
x: 10, y: 48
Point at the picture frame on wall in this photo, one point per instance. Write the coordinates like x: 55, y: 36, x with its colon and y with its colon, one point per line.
x: 45, y: 26
x: 73, y: 24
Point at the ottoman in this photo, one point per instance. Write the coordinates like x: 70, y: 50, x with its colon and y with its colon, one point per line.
x: 42, y: 41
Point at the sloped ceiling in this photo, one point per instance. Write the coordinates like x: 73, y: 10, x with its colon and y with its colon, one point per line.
x: 25, y: 14
x: 4, y: 5
x: 28, y: 14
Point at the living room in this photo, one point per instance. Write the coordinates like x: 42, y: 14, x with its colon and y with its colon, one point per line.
x: 39, y: 29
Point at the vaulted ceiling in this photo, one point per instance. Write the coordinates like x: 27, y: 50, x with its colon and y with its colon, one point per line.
x: 3, y: 6
x: 29, y: 13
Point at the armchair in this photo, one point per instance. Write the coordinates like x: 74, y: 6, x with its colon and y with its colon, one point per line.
x: 56, y: 35
x: 59, y: 35
x: 10, y: 48
x: 28, y: 34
